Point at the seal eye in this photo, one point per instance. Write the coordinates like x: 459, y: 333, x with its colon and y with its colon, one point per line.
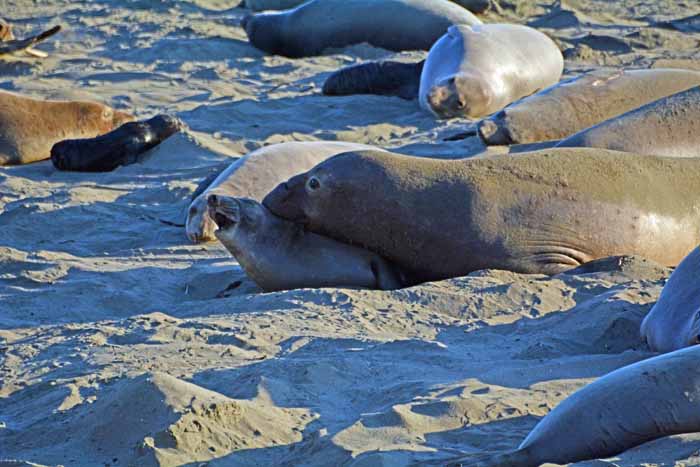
x: 313, y: 184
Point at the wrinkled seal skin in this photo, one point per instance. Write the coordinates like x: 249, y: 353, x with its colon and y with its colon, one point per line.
x: 30, y: 127
x: 122, y: 146
x: 255, y: 174
x: 318, y: 25
x: 669, y: 127
x: 280, y: 255
x: 576, y: 104
x: 542, y: 212
x: 636, y: 404
x: 384, y: 78
x: 674, y: 321
x: 474, y: 71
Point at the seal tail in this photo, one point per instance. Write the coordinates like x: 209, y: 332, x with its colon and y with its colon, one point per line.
x: 387, y: 78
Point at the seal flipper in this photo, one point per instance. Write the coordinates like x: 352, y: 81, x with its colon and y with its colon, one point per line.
x: 11, y: 46
x: 387, y: 78
x: 386, y: 274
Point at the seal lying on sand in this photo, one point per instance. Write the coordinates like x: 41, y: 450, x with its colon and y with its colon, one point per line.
x: 318, y: 25
x: 576, y: 104
x: 30, y: 127
x: 674, y: 321
x: 470, y: 71
x: 623, y: 409
x: 10, y: 45
x: 473, y: 71
x: 255, y: 174
x: 122, y: 146
x: 280, y: 255
x: 541, y: 212
x: 475, y: 6
x: 667, y: 127
x: 385, y: 78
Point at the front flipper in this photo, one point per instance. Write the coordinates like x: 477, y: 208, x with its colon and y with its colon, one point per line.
x: 17, y: 45
x: 383, y: 78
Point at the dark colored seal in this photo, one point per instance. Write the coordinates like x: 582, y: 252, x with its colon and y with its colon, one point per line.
x: 122, y: 146
x: 385, y: 78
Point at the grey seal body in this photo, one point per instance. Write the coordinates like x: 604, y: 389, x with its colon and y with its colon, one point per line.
x: 669, y: 127
x: 541, y: 212
x: 474, y: 71
x: 280, y: 255
x: 674, y: 321
x: 255, y: 174
x: 638, y: 403
x: 317, y: 25
x: 579, y: 103
x: 475, y: 6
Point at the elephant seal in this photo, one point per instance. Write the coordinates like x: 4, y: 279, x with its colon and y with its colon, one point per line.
x: 122, y: 146
x: 475, y: 6
x: 10, y: 45
x: 667, y: 127
x: 674, y: 321
x: 281, y: 255
x: 474, y: 71
x: 635, y: 404
x: 255, y: 174
x: 541, y: 212
x: 576, y: 104
x: 317, y: 25
x: 384, y: 78
x: 30, y: 127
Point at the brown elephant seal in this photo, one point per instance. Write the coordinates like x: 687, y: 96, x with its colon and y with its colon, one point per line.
x: 668, y: 127
x: 255, y: 174
x: 674, y: 321
x: 317, y: 25
x: 122, y: 146
x: 474, y: 71
x: 638, y: 403
x: 11, y: 45
x: 576, y: 104
x: 280, y: 255
x: 30, y: 127
x: 540, y: 212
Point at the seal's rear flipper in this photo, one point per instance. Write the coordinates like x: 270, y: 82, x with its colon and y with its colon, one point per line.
x: 17, y: 45
x: 384, y: 78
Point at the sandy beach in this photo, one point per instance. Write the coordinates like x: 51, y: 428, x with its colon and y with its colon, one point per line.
x: 123, y: 344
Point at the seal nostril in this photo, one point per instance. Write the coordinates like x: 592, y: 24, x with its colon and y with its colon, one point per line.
x: 213, y: 200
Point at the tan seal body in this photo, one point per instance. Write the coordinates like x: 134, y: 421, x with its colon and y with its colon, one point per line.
x: 541, y: 212
x: 474, y: 71
x: 638, y: 403
x: 318, y: 25
x: 669, y: 127
x: 30, y: 127
x: 674, y: 321
x: 255, y: 174
x: 576, y: 104
x: 281, y: 255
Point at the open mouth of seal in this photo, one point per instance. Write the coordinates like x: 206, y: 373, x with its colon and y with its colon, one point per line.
x: 223, y: 221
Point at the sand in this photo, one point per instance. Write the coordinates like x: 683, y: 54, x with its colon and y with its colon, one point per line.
x: 123, y: 344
